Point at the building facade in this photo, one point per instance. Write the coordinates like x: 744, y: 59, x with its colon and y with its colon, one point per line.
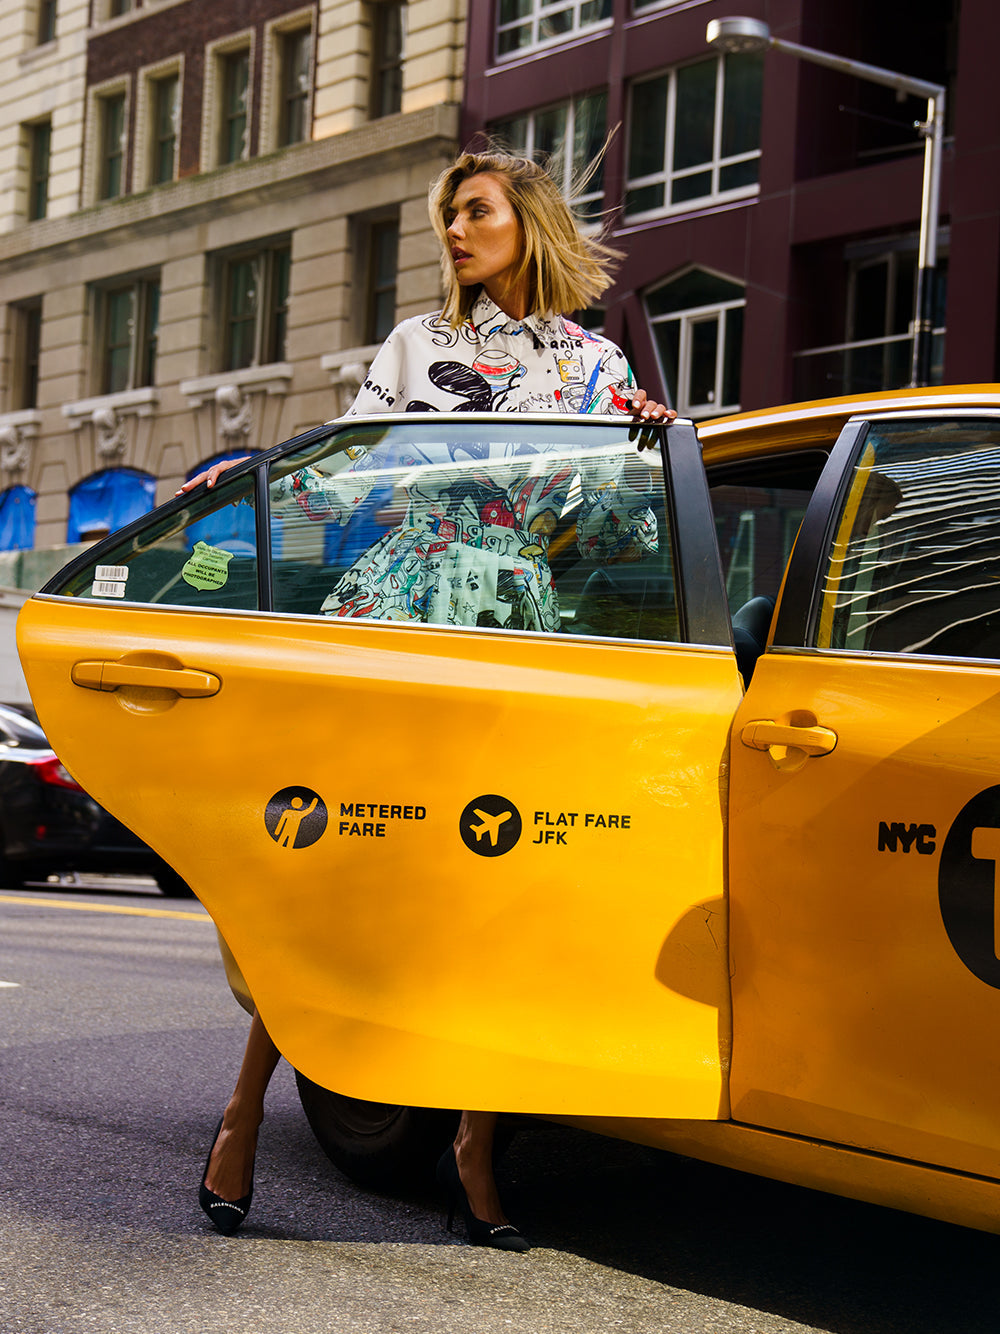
x: 767, y: 209
x: 212, y: 211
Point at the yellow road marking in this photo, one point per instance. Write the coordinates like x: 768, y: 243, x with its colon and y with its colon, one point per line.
x: 107, y: 907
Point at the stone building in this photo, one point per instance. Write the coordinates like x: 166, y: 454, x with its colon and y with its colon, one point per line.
x: 211, y: 211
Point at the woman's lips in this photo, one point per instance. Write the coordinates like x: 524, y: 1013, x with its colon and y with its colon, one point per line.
x: 460, y: 256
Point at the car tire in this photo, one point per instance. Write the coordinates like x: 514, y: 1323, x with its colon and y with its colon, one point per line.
x: 377, y: 1144
x: 171, y: 884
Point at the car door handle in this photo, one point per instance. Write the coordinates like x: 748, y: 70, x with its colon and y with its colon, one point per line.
x: 185, y: 681
x: 764, y: 733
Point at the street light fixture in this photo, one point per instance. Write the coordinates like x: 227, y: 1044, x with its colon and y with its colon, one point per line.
x: 743, y: 35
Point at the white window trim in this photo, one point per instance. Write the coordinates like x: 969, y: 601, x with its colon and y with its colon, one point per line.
x: 270, y: 80
x: 546, y: 43
x: 687, y: 318
x: 570, y: 103
x: 211, y: 106
x: 94, y: 138
x: 145, y: 110
x: 667, y: 175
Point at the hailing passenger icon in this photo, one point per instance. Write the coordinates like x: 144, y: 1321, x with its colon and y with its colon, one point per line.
x: 295, y: 817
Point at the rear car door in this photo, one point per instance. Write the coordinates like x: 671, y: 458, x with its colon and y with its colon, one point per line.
x: 459, y: 865
x: 865, y: 814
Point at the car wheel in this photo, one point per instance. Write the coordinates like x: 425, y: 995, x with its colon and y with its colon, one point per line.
x: 171, y: 884
x: 377, y: 1144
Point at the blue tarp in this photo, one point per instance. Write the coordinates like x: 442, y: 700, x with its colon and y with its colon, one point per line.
x: 17, y: 519
x: 108, y: 500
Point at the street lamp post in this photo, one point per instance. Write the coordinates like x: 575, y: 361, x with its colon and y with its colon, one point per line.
x: 745, y: 34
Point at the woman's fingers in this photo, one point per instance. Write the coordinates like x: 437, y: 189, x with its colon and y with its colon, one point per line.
x: 210, y: 475
x: 647, y: 410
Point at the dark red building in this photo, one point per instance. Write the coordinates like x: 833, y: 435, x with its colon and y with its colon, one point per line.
x: 768, y: 209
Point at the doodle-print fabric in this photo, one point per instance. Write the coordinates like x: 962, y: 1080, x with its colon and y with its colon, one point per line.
x: 472, y: 547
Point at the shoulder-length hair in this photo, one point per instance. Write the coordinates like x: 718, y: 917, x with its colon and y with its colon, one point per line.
x: 566, y: 269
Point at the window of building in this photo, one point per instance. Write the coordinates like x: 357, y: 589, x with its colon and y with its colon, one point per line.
x: 46, y: 21
x: 387, y: 27
x: 164, y: 128
x: 127, y: 324
x: 697, y: 322
x: 234, y: 122
x: 26, y: 338
x: 569, y: 137
x: 117, y: 8
x: 694, y: 134
x: 39, y: 153
x: 108, y: 500
x: 17, y: 519
x: 255, y: 287
x: 524, y: 24
x: 111, y: 139
x: 296, y: 85
x: 383, y: 254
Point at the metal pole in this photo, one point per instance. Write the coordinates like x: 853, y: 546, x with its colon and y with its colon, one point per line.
x: 923, y: 316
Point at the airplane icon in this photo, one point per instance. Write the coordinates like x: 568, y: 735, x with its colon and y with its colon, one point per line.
x: 490, y: 824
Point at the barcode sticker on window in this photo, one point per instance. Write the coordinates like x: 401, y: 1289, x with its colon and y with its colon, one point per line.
x: 107, y: 588
x: 116, y: 572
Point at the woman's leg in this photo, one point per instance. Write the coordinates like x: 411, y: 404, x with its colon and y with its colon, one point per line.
x: 474, y: 1156
x: 230, y: 1167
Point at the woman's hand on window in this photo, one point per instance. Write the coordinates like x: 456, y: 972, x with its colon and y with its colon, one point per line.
x: 210, y: 475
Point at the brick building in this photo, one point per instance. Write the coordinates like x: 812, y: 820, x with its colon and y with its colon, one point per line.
x: 768, y: 209
x: 212, y: 210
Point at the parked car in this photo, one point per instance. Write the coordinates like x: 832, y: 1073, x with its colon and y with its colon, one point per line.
x: 709, y: 863
x: 48, y: 823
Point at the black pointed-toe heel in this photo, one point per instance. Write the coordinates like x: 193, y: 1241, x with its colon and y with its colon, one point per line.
x: 501, y: 1236
x: 227, y: 1216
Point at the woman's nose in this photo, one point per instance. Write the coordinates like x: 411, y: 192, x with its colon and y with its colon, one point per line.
x: 454, y: 229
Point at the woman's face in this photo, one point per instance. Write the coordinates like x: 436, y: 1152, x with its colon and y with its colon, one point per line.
x: 484, y: 235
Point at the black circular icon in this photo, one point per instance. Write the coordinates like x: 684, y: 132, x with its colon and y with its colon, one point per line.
x: 968, y: 880
x: 490, y: 825
x: 295, y: 817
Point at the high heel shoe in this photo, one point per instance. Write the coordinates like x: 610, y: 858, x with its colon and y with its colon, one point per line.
x: 226, y: 1215
x: 501, y: 1236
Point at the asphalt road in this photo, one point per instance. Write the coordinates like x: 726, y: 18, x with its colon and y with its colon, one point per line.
x: 118, y: 1044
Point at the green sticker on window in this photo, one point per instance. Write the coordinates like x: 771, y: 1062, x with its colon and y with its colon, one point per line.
x: 207, y: 567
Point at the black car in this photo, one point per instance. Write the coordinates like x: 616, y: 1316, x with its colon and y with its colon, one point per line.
x: 48, y: 823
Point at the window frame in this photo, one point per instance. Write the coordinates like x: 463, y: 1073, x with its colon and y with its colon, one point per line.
x: 39, y: 178
x: 539, y: 11
x: 48, y: 15
x: 687, y: 318
x: 270, y: 313
x: 213, y: 95
x: 144, y: 292
x: 386, y: 66
x: 667, y: 176
x: 274, y: 80
x: 26, y: 340
x: 373, y: 229
x: 567, y: 163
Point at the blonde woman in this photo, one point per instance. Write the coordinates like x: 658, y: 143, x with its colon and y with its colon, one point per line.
x: 516, y: 264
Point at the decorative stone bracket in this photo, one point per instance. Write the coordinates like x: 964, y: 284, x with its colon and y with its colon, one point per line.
x: 232, y: 394
x: 108, y: 414
x: 347, y: 371
x: 17, y: 434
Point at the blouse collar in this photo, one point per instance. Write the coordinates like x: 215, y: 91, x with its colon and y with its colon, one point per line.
x: 488, y: 319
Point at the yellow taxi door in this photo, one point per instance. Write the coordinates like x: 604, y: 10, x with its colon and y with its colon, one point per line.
x: 458, y: 865
x: 865, y: 809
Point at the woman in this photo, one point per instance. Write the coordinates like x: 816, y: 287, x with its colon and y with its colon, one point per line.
x: 514, y: 260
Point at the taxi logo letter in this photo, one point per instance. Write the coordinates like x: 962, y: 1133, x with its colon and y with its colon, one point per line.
x: 969, y: 885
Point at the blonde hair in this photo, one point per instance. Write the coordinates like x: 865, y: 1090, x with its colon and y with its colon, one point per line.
x: 566, y: 270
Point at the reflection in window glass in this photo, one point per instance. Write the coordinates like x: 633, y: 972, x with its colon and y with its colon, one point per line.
x: 169, y: 563
x: 519, y: 526
x: 915, y: 564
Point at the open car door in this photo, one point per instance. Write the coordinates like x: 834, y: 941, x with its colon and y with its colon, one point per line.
x: 458, y: 865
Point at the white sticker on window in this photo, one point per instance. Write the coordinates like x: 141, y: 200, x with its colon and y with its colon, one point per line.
x: 107, y: 588
x: 117, y: 572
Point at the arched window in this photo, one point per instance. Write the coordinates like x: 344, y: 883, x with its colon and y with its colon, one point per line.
x: 697, y: 320
x: 17, y: 519
x: 108, y: 500
x: 232, y: 526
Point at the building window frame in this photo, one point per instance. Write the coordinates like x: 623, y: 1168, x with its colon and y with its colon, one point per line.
x: 691, y: 320
x: 679, y: 184
x: 26, y: 342
x: 253, y: 286
x: 39, y: 146
x: 97, y: 162
x: 376, y: 247
x: 126, y: 331
x: 387, y: 26
x: 217, y: 56
x: 149, y: 137
x: 527, y: 134
x: 286, y: 117
x: 522, y: 33
x: 47, y: 19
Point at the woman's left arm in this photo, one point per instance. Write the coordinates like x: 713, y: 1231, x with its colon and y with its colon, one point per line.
x: 646, y: 409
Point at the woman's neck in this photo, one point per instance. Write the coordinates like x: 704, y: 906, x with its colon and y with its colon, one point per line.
x: 513, y: 301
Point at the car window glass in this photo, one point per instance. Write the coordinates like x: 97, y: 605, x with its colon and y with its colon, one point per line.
x: 914, y: 564
x: 551, y: 527
x: 169, y: 562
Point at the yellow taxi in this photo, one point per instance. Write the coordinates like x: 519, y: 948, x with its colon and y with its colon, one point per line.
x: 693, y: 840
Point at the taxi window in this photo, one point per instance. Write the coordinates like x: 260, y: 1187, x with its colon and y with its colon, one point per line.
x: 914, y: 564
x: 501, y: 524
x: 170, y: 562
